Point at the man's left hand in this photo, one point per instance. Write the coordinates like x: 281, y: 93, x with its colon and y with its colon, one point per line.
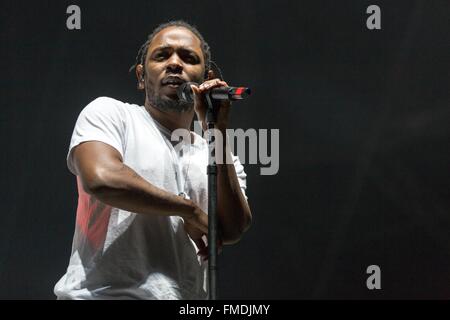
x: 200, y: 105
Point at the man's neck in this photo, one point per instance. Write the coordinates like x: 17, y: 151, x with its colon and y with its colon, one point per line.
x: 171, y: 120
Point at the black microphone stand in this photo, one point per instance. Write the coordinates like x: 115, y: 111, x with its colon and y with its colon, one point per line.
x: 211, y: 117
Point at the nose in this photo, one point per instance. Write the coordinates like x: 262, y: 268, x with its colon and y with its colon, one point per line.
x: 174, y: 64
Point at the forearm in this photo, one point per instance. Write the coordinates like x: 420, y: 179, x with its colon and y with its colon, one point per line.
x: 123, y: 188
x: 233, y: 210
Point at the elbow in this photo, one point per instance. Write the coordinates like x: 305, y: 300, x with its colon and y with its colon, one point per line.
x: 230, y: 239
x: 234, y: 236
x: 93, y: 188
x: 246, y: 224
x: 95, y: 183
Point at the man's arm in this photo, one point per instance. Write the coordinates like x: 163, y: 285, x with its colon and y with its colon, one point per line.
x: 232, y: 208
x: 233, y: 211
x: 105, y: 176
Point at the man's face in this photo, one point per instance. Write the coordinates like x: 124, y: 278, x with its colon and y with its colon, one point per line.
x: 174, y: 56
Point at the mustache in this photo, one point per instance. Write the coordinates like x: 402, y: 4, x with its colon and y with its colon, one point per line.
x: 171, y: 79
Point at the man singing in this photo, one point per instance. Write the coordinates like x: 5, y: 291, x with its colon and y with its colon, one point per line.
x: 141, y: 220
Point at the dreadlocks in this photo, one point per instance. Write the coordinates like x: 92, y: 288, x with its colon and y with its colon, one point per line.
x: 142, y: 53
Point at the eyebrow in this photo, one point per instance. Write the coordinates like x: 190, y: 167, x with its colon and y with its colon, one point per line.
x: 183, y: 48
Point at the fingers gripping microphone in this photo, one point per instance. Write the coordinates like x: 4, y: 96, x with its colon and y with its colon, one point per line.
x: 185, y: 92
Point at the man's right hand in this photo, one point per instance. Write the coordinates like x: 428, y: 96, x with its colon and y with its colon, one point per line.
x: 197, y: 220
x: 196, y: 226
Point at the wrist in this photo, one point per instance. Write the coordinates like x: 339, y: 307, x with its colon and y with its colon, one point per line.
x: 188, y: 210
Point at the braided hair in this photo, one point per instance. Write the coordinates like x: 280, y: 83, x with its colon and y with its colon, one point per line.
x: 142, y: 53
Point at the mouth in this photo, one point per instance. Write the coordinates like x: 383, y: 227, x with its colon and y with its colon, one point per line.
x: 172, y: 81
x: 172, y: 85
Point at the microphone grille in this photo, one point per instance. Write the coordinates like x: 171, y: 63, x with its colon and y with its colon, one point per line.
x: 184, y: 92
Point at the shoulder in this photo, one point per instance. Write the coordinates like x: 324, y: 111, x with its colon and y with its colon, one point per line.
x: 105, y: 104
x: 106, y: 108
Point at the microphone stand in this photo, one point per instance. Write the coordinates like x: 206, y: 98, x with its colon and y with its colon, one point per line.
x: 213, y: 105
x: 211, y: 118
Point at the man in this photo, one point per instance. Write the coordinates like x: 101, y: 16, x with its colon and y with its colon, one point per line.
x: 141, y: 221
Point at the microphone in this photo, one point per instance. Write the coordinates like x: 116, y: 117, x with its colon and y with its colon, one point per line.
x: 185, y: 92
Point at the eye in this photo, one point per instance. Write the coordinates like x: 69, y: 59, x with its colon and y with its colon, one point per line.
x: 160, y: 56
x: 191, y: 59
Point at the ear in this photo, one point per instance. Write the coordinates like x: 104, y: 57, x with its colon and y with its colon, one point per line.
x: 211, y: 75
x: 140, y: 76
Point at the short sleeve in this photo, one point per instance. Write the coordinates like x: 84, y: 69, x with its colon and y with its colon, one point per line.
x: 101, y: 120
x: 241, y: 175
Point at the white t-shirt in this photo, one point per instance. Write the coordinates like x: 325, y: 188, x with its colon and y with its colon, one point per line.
x: 118, y: 254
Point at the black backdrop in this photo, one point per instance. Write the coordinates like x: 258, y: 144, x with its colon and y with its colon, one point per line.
x: 364, y: 138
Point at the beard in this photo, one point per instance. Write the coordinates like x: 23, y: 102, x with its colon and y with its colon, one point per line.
x: 167, y: 104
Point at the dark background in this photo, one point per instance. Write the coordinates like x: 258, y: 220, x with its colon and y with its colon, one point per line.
x: 364, y: 138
